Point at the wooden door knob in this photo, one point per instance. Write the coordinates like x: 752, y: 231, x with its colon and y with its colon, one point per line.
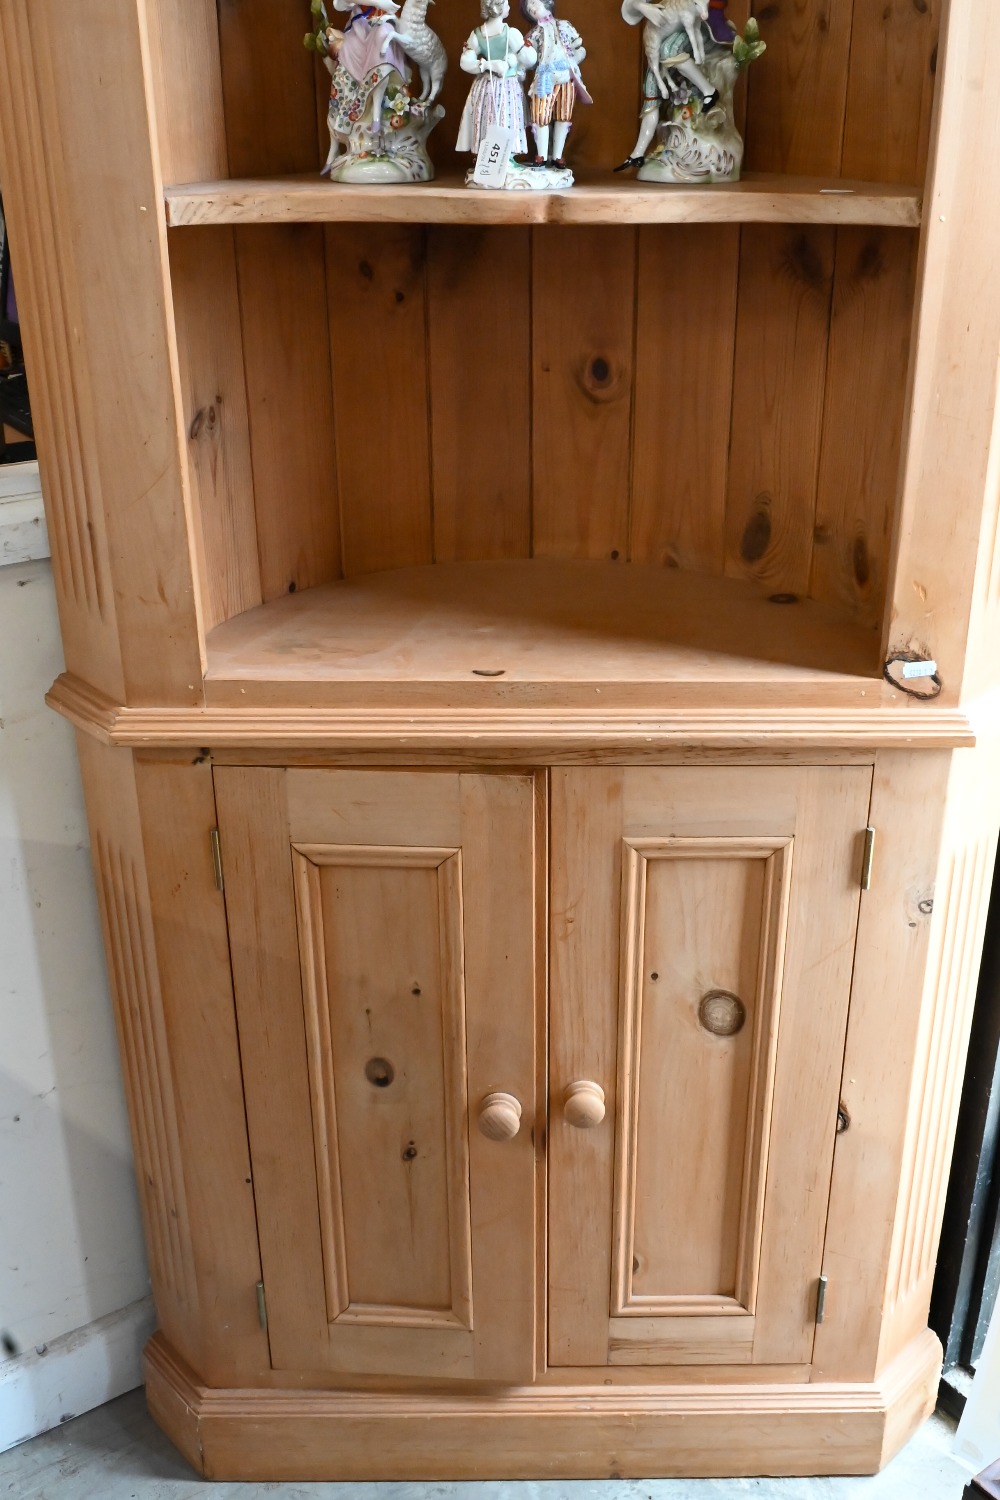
x: 583, y: 1104
x: 500, y: 1117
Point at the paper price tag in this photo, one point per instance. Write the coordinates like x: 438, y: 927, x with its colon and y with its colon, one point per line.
x: 493, y: 159
x: 920, y: 668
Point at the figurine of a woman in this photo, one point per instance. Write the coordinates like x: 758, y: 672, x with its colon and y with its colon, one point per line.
x: 378, y: 130
x: 556, y: 84
x: 499, y: 58
x: 693, y: 58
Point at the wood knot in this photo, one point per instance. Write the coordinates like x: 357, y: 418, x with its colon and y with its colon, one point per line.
x: 805, y: 263
x: 871, y: 261
x: 861, y: 562
x: 757, y: 534
x: 205, y: 422
x: 599, y: 379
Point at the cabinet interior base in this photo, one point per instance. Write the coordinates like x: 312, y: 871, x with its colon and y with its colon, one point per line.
x: 564, y: 1432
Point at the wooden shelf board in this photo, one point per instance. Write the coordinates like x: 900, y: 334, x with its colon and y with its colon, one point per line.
x: 595, y: 634
x: 604, y: 199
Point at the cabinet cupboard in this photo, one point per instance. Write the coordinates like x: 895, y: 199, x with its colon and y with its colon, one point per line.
x: 385, y: 931
x: 543, y: 875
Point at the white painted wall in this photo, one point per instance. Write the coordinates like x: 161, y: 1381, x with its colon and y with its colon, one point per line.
x: 72, y: 1269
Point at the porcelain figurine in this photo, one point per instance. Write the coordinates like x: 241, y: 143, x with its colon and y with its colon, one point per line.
x: 500, y: 58
x: 694, y: 56
x: 378, y: 124
x: 556, y: 84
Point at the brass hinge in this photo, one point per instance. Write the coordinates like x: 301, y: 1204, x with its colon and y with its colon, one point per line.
x: 821, y: 1300
x: 261, y: 1306
x: 869, y: 859
x: 217, y: 860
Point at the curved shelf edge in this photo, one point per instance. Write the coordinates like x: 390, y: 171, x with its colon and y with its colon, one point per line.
x: 544, y: 733
x: 761, y: 198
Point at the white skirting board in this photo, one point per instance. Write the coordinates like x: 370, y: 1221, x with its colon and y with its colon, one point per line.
x: 75, y: 1373
x: 23, y: 537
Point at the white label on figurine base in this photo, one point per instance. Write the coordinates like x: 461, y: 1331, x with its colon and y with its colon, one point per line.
x: 493, y: 160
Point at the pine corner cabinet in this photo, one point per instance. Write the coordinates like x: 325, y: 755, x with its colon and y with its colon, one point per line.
x: 536, y: 667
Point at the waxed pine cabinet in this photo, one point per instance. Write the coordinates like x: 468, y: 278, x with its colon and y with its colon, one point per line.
x: 534, y: 660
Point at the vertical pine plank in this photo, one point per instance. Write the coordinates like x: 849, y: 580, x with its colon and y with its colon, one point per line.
x: 584, y: 312
x: 286, y: 343
x: 890, y: 90
x: 268, y: 75
x: 893, y: 56
x: 213, y: 390
x: 685, y: 336
x: 863, y: 417
x: 604, y: 132
x: 378, y: 336
x: 269, y: 87
x: 795, y: 112
x: 738, y: 13
x: 187, y: 86
x: 782, y: 331
x: 479, y: 324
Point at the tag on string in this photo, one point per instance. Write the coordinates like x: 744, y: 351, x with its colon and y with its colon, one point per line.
x: 493, y: 160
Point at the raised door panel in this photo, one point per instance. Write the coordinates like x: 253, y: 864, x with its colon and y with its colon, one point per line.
x: 703, y: 933
x: 703, y: 936
x: 385, y: 1041
x: 383, y: 992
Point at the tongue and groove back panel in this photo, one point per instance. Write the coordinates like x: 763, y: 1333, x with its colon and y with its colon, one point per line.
x: 715, y: 398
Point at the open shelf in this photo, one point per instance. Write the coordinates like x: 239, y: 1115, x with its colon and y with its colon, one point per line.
x: 595, y: 634
x: 765, y: 198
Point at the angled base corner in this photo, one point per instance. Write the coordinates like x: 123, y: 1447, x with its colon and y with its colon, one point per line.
x: 550, y: 1432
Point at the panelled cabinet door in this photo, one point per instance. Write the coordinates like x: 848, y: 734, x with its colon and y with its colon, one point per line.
x: 703, y: 930
x: 383, y: 936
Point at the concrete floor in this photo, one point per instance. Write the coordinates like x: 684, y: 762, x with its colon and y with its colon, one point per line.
x: 116, y: 1453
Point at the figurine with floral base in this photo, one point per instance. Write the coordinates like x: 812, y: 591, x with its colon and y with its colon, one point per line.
x: 499, y: 57
x: 556, y: 84
x: 694, y: 56
x: 378, y: 126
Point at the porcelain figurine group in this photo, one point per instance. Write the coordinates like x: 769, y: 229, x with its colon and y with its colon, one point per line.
x: 387, y: 68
